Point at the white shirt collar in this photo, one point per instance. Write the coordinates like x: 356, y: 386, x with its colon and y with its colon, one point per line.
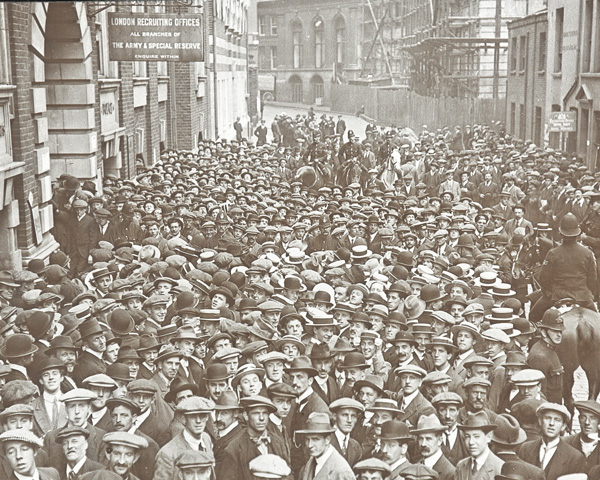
x: 464, y: 355
x: 320, y: 461
x: 433, y: 459
x: 307, y: 393
x: 35, y: 476
x: 20, y: 368
x: 342, y: 437
x: 481, y: 459
x: 408, y: 399
x: 77, y: 466
x: 97, y: 415
x: 93, y: 352
x: 222, y: 433
x: 141, y: 418
x: 321, y: 381
x: 275, y: 419
x: 195, y: 444
x: 397, y: 463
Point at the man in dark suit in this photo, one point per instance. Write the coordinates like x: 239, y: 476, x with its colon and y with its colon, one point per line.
x: 412, y: 403
x: 227, y: 409
x: 345, y: 415
x: 106, y: 228
x: 323, y: 383
x: 551, y: 453
x: 301, y: 374
x: 155, y: 415
x: 83, y: 236
x: 252, y: 442
x: 324, y: 461
x: 123, y: 414
x: 481, y: 463
x: 22, y: 460
x: 487, y: 191
x: 74, y: 445
x: 447, y: 405
x: 586, y: 440
x: 394, y: 438
x: 429, y: 433
x: 78, y: 407
x: 518, y: 222
x: 90, y: 361
x: 507, y: 437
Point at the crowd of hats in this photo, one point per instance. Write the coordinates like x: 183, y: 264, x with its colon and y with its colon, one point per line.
x: 230, y: 248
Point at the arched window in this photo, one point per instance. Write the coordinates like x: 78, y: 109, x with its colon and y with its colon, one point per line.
x: 318, y: 27
x: 297, y: 93
x: 340, y: 38
x: 296, y: 44
x: 317, y: 88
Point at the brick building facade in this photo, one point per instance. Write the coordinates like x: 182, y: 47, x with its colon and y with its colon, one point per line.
x: 308, y: 44
x: 65, y: 107
x: 526, y: 81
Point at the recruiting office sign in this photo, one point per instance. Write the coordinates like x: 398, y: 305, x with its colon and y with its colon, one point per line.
x: 163, y: 37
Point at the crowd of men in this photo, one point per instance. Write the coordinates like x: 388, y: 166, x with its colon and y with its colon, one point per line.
x: 214, y: 317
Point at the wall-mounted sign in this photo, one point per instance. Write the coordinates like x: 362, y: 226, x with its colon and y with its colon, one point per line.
x: 148, y: 36
x: 562, y: 122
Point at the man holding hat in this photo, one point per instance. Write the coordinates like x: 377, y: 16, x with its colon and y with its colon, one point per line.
x: 550, y: 452
x: 122, y: 452
x: 252, y: 442
x: 196, y: 412
x: 586, y: 441
x: 19, y: 447
x: 74, y: 445
x: 481, y: 463
x: 429, y: 433
x: 195, y: 465
x: 324, y: 462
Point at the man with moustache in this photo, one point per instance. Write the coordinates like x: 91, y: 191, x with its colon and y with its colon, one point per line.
x: 429, y: 433
x: 74, y: 445
x: 394, y: 439
x: 447, y: 405
x: 123, y: 414
x: 227, y: 409
x: 122, y: 452
x: 63, y: 348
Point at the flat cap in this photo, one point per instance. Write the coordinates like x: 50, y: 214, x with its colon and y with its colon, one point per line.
x: 446, y: 398
x: 227, y: 352
x: 527, y: 377
x: 79, y: 395
x: 554, y: 407
x: 21, y: 436
x: 194, y: 459
x: 281, y: 390
x: 409, y: 368
x: 16, y: 409
x: 269, y: 466
x: 126, y: 439
x: 496, y: 335
x: 142, y: 385
x: 195, y: 404
x: 100, y: 380
x: 588, y: 406
x: 373, y: 464
x: 477, y: 381
x: 70, y: 432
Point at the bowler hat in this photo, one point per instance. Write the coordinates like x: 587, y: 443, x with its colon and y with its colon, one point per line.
x: 18, y: 345
x: 395, y: 430
x: 89, y: 327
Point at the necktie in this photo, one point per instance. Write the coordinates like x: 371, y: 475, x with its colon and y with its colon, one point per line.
x: 72, y: 475
x: 55, y: 414
x: 345, y: 445
x: 473, y: 467
x: 544, y: 457
x: 446, y: 439
x: 311, y: 469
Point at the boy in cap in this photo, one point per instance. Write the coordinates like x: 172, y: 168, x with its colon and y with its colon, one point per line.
x: 481, y: 463
x: 196, y: 412
x: 372, y: 469
x: 252, y: 442
x: 345, y: 416
x: 19, y: 448
x: 122, y: 452
x: 154, y: 416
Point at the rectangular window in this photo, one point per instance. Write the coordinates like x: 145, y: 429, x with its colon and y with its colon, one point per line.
x: 538, y: 133
x: 522, y: 119
x: 262, y: 58
x: 5, y: 75
x: 514, y: 52
x: 523, y: 50
x: 297, y: 48
x: 558, y: 39
x: 262, y: 25
x: 273, y: 25
x: 543, y: 47
x: 513, y: 117
x: 140, y: 69
x: 139, y: 140
x: 319, y: 49
x: 339, y: 44
x: 162, y: 69
x: 273, y: 58
x: 586, y: 62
